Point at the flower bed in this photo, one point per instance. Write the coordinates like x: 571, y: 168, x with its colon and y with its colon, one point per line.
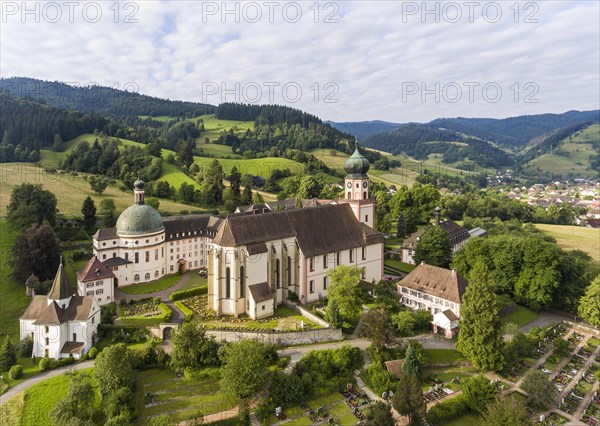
x: 147, y: 307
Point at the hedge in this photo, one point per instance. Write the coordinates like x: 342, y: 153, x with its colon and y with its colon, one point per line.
x: 443, y: 412
x: 166, y: 312
x: 49, y: 363
x: 187, y: 311
x: 184, y: 294
x: 143, y: 321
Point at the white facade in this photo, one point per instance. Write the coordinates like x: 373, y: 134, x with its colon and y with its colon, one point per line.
x: 419, y: 300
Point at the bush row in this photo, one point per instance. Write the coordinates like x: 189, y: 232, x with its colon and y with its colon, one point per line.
x: 443, y: 412
x: 183, y: 294
x: 189, y: 314
x: 49, y: 363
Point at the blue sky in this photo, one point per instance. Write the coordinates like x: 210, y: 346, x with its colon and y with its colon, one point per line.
x: 344, y: 61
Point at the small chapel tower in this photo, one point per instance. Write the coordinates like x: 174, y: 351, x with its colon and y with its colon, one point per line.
x: 356, y: 188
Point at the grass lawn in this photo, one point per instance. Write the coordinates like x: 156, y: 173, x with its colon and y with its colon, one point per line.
x: 152, y: 287
x: 256, y: 167
x: 13, y: 299
x: 443, y: 356
x: 284, y: 319
x: 185, y: 396
x: 400, y: 266
x: 194, y: 280
x: 575, y: 238
x: 33, y: 406
x: 173, y: 174
x: 29, y: 369
x: 520, y: 317
x: 70, y: 190
x: 467, y: 420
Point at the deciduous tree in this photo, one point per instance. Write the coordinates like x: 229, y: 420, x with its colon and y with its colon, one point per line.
x: 192, y: 349
x: 376, y: 325
x: 244, y: 370
x: 37, y: 251
x: 539, y: 388
x: 344, y: 290
x: 108, y: 211
x: 77, y: 406
x: 478, y: 392
x: 380, y: 415
x: 506, y: 411
x: 31, y: 204
x: 434, y: 248
x: 589, y: 304
x: 114, y: 369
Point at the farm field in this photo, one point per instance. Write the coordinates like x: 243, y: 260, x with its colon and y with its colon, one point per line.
x: 575, y: 238
x: 70, y: 190
x: 572, y: 156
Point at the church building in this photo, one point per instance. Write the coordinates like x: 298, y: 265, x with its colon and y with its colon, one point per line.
x: 61, y: 324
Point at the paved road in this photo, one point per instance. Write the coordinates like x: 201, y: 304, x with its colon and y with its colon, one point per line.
x: 27, y: 383
x: 544, y: 319
x: 163, y: 294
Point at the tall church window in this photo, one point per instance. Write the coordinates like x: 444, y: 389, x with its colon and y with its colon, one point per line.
x: 137, y: 257
x: 227, y: 283
x: 242, y: 281
x: 289, y: 270
x: 147, y: 256
x: 365, y: 195
x: 277, y: 274
x: 351, y: 253
x: 364, y: 253
x: 311, y: 264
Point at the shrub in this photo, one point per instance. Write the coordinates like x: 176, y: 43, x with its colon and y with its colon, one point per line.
x: 184, y: 294
x: 25, y: 347
x: 293, y: 297
x: 165, y: 312
x: 62, y: 362
x: 15, y: 372
x: 108, y: 312
x: 443, y: 412
x: 93, y: 353
x: 189, y: 314
x: 79, y: 255
x: 45, y: 364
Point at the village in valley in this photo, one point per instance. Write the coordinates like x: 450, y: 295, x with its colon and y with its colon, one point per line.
x: 324, y: 213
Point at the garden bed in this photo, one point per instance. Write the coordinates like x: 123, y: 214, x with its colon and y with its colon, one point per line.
x: 284, y: 318
x: 144, y: 312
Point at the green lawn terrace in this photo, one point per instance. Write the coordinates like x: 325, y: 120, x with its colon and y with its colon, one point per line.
x: 143, y: 312
x: 183, y: 398
x: 284, y: 319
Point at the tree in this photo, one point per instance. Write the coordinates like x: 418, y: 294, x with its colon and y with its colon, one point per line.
x: 408, y: 398
x: 478, y: 393
x: 376, y: 325
x: 153, y: 202
x: 507, y: 411
x: 412, y: 365
x: 310, y: 187
x: 333, y: 314
x: 31, y: 204
x: 386, y: 297
x: 405, y: 323
x: 344, y: 290
x: 401, y: 226
x: 192, y: 348
x: 185, y: 154
x: 380, y: 415
x: 235, y: 179
x: 108, y: 211
x: 480, y: 333
x: 589, y: 304
x: 244, y: 370
x: 37, y: 251
x: 114, y: 369
x: 77, y: 406
x: 88, y: 209
x: 98, y: 184
x: 246, y: 198
x: 539, y: 388
x: 257, y: 198
x: 8, y: 357
x: 434, y: 248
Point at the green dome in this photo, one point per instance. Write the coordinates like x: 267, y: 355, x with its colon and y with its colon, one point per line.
x: 139, y: 219
x: 356, y: 164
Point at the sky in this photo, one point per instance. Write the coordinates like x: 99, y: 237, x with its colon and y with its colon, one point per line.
x: 397, y: 61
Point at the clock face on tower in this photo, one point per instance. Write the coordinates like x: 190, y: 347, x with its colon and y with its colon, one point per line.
x: 365, y: 184
x: 349, y: 185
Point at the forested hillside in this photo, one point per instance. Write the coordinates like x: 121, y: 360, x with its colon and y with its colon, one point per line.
x: 364, y: 129
x: 105, y: 101
x: 421, y: 140
x: 515, y: 132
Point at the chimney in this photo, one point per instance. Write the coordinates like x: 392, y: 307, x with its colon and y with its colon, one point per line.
x: 437, y: 215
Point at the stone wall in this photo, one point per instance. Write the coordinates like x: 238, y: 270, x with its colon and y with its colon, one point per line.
x: 280, y: 338
x: 306, y: 313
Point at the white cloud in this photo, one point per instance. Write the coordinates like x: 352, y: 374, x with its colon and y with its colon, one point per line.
x: 370, y: 53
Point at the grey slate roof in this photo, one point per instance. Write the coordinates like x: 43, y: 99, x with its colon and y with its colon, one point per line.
x: 318, y: 230
x: 79, y: 309
x: 260, y: 292
x: 61, y: 289
x: 94, y: 270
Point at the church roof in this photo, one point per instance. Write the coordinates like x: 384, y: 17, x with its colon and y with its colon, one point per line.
x: 106, y: 234
x: 139, y: 219
x: 260, y: 292
x: 94, y: 270
x: 61, y: 289
x: 115, y: 261
x: 72, y: 348
x: 435, y: 281
x: 318, y: 230
x: 79, y: 309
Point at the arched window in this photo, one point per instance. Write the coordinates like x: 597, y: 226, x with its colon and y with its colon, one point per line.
x: 349, y: 195
x: 289, y: 270
x: 277, y: 274
x: 155, y: 274
x: 147, y: 277
x: 227, y: 283
x: 242, y: 281
x: 136, y: 278
x: 365, y: 195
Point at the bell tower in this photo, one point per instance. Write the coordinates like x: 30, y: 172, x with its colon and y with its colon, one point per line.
x: 356, y: 188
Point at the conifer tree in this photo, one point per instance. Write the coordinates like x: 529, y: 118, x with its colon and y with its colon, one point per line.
x: 480, y: 334
x: 408, y: 399
x: 412, y: 365
x: 88, y: 209
x: 8, y: 357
